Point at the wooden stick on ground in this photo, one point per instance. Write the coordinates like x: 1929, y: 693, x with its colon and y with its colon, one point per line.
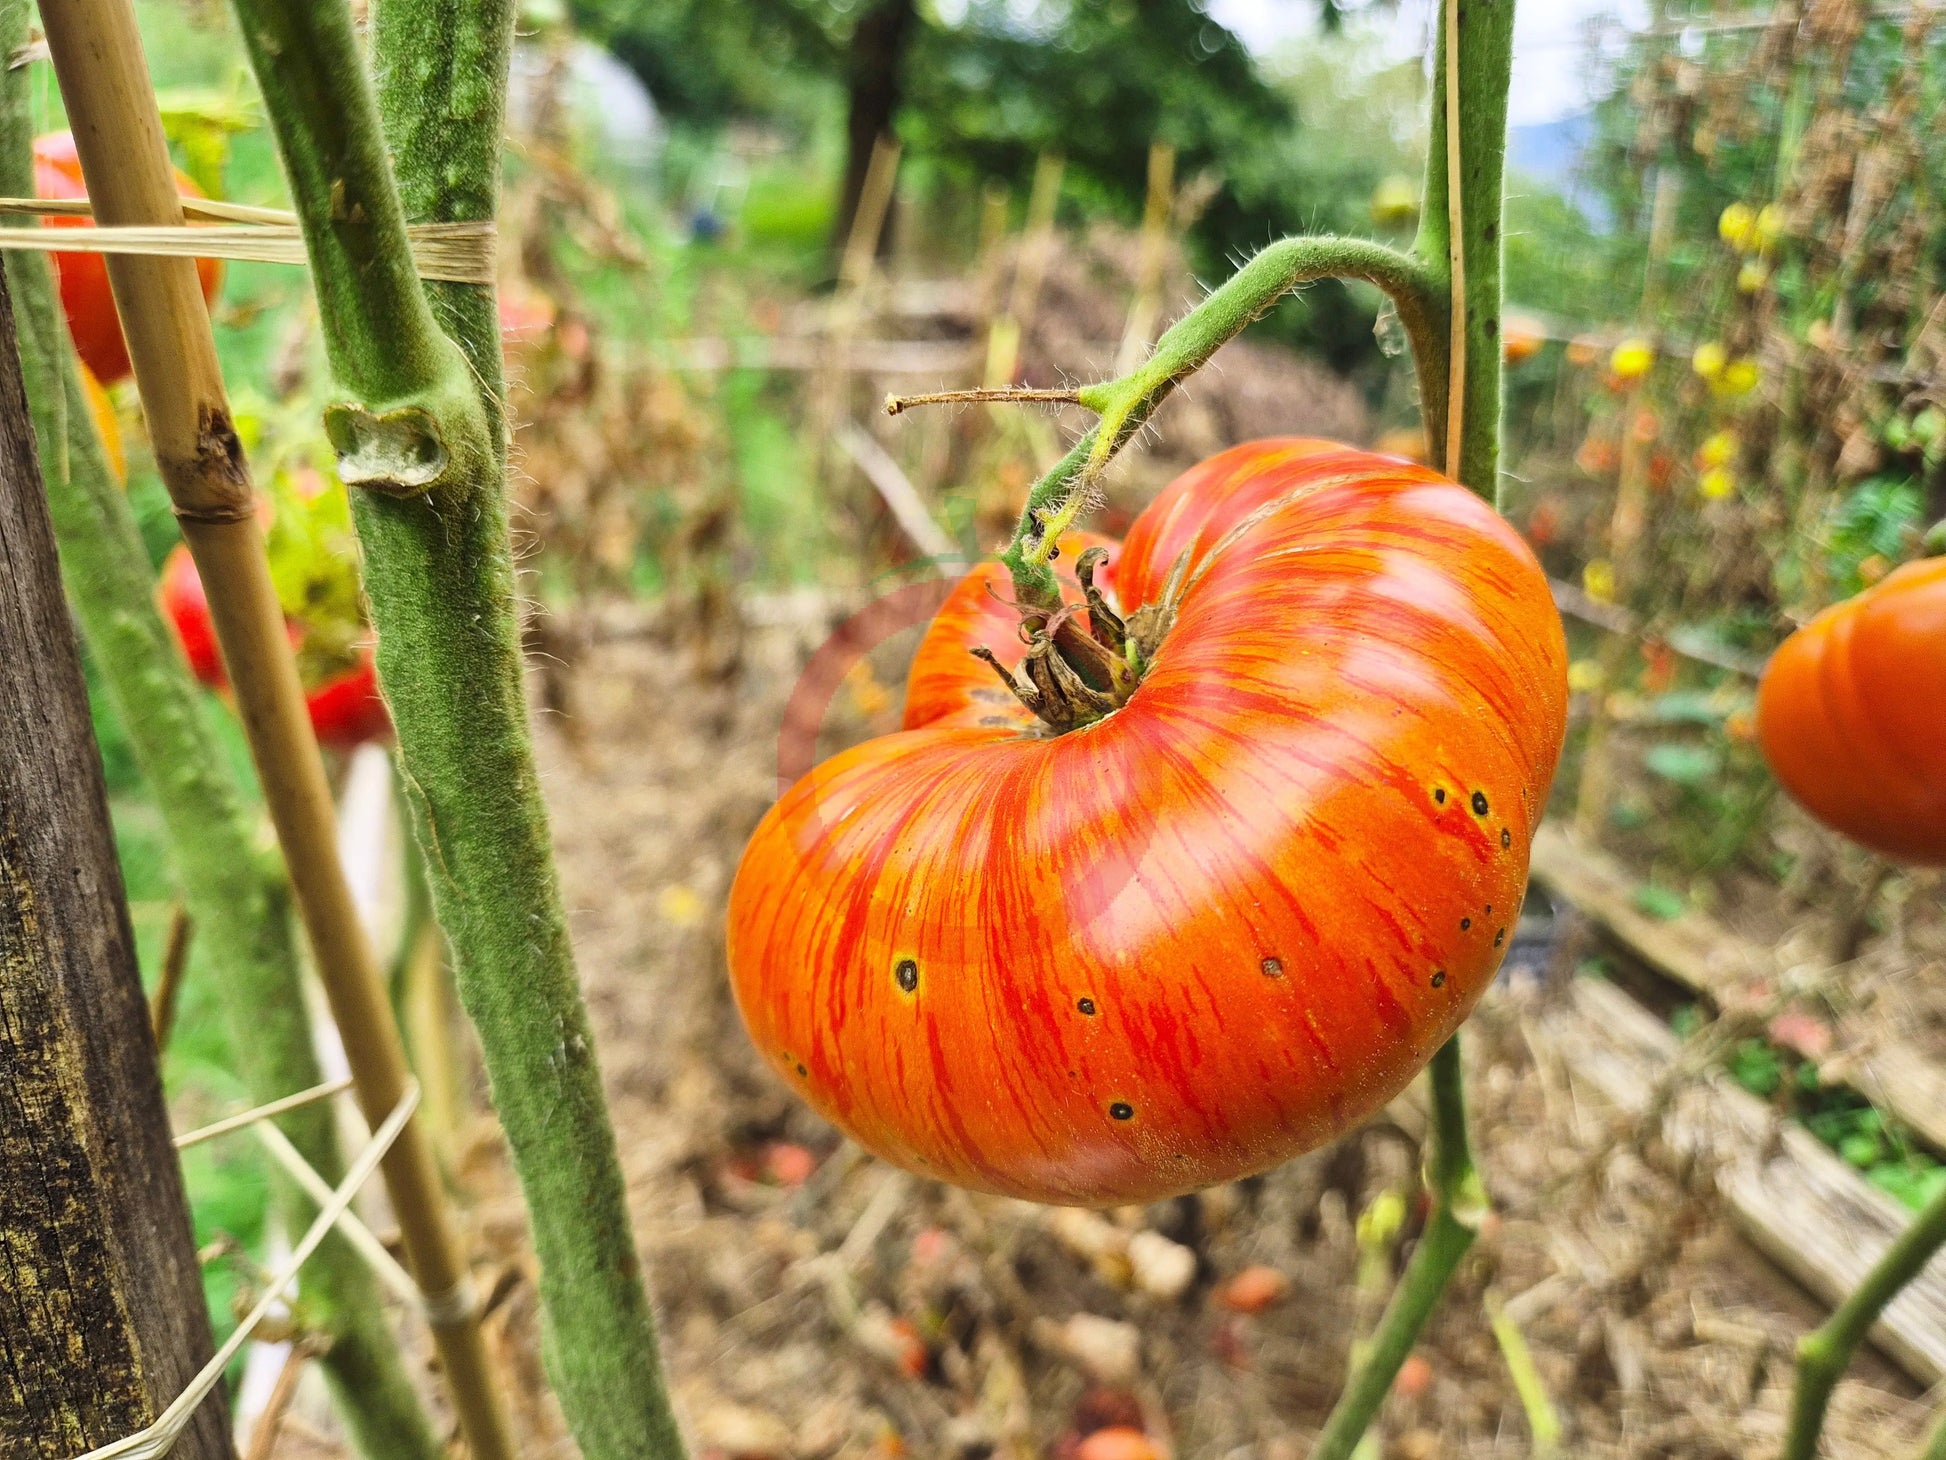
x: 111, y: 107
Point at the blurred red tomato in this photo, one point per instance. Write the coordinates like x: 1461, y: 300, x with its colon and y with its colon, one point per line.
x: 86, y: 298
x: 186, y: 607
x: 346, y: 709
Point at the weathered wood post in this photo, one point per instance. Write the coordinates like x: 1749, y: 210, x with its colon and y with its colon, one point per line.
x: 101, y: 1303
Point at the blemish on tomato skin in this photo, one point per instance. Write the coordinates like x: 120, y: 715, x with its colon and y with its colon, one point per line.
x: 906, y: 971
x: 1273, y: 967
x: 1439, y: 979
x: 1122, y: 1110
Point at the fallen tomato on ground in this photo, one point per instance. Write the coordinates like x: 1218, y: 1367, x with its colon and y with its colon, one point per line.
x: 1850, y: 710
x: 1229, y: 910
x: 86, y: 298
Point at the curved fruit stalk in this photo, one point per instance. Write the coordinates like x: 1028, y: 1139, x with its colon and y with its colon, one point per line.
x: 83, y: 277
x: 1850, y: 710
x: 1225, y: 921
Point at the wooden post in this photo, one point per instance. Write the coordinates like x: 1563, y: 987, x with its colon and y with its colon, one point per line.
x: 103, y: 74
x: 102, y: 1304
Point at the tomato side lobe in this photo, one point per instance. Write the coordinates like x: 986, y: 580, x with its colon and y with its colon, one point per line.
x: 1849, y: 710
x: 1217, y: 927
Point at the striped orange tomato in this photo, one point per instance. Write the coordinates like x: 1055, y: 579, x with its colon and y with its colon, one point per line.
x: 1850, y: 710
x: 1213, y: 928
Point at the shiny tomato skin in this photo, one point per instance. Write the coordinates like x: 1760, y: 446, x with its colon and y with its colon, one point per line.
x: 947, y: 685
x: 1207, y: 501
x: 1850, y: 714
x: 186, y: 607
x: 82, y: 278
x: 1212, y: 930
x: 347, y: 709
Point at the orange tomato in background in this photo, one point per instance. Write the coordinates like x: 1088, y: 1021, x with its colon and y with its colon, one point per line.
x: 1219, y: 926
x: 102, y: 410
x: 1521, y: 337
x: 86, y: 298
x: 1851, y: 715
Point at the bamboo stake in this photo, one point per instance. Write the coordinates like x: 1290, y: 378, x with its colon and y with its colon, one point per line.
x: 111, y: 107
x: 1138, y: 333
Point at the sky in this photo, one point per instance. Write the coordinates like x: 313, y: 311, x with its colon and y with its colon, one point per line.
x: 1549, y: 52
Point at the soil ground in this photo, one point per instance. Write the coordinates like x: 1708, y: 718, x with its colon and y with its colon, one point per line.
x: 790, y: 1311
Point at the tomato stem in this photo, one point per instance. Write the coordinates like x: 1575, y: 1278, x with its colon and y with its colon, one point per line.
x: 1459, y: 1206
x: 233, y: 889
x: 439, y: 572
x: 1125, y: 404
x: 1824, y: 1354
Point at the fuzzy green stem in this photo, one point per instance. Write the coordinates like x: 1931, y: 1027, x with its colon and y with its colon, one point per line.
x: 439, y: 572
x: 232, y: 884
x: 1824, y: 1354
x: 1125, y: 404
x: 1485, y: 69
x: 1459, y: 1206
x: 1936, y: 1443
x: 413, y: 422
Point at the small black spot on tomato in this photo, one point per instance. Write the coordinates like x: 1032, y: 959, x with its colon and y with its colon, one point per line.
x: 1439, y: 795
x: 907, y: 973
x: 1086, y: 1006
x: 1122, y: 1110
x: 1506, y: 838
x: 1439, y: 979
x: 1273, y: 968
x: 802, y: 1072
x: 1465, y: 923
x: 1499, y: 937
x: 1489, y: 907
x: 1479, y: 803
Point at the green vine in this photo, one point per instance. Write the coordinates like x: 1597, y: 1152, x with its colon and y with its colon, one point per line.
x: 422, y: 365
x: 232, y: 886
x: 1825, y: 1354
x: 1124, y: 405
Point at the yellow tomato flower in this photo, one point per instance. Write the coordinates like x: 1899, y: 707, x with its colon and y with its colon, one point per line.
x: 1739, y: 377
x: 1584, y: 675
x: 1718, y: 449
x: 1632, y: 359
x: 1752, y: 277
x: 1709, y: 359
x: 1769, y: 225
x: 1737, y: 226
x: 1717, y: 483
x: 1598, y: 580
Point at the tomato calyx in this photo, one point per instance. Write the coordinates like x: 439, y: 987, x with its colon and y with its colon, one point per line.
x: 1084, y: 660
